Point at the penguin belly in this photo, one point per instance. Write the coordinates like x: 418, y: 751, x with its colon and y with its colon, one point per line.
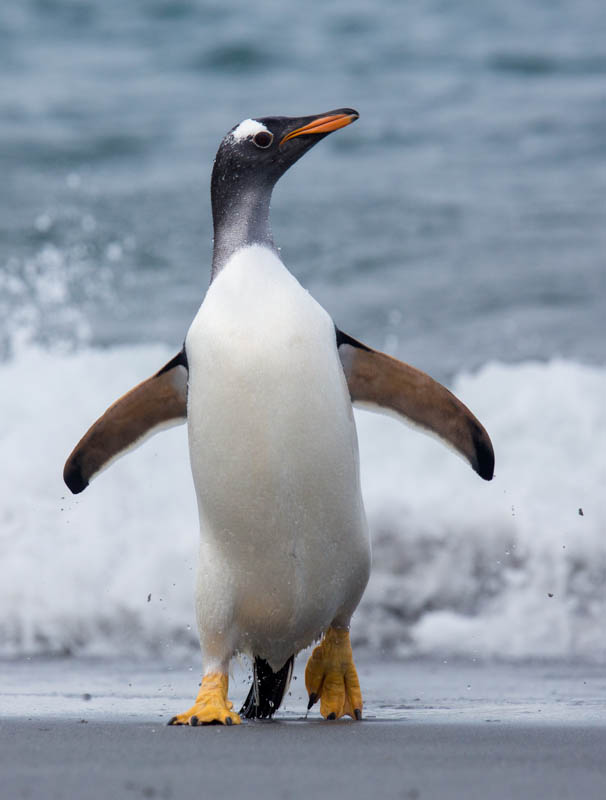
x: 284, y: 548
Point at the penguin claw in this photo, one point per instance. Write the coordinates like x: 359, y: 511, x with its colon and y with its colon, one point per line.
x: 330, y: 676
x: 211, y: 706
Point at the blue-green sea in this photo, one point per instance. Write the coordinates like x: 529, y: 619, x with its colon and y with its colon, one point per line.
x: 460, y: 225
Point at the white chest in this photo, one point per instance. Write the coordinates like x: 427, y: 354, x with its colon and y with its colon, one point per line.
x: 268, y: 400
x: 274, y: 458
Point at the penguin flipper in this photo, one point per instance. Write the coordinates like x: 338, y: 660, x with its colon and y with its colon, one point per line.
x: 153, y: 405
x: 378, y: 382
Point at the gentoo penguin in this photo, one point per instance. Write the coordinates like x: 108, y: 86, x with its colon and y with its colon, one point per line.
x: 266, y: 383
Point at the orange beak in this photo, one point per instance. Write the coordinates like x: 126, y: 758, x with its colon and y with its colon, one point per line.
x: 322, y: 125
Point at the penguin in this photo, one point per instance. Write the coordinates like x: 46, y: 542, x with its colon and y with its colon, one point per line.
x: 266, y: 383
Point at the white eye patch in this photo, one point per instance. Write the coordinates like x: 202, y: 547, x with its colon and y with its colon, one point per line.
x: 247, y: 129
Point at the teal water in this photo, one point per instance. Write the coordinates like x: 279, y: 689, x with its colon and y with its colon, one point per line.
x: 461, y: 220
x: 460, y: 224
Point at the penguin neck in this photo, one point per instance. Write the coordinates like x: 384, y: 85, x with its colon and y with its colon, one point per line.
x: 240, y: 219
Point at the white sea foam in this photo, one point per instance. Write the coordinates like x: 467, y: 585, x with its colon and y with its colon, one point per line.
x: 508, y: 568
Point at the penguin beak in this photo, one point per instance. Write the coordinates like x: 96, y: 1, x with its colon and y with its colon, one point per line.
x: 324, y: 123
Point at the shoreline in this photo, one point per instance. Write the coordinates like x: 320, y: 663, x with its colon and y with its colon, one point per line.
x: 96, y: 729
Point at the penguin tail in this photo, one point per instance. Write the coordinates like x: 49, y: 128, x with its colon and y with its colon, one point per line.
x: 267, y: 690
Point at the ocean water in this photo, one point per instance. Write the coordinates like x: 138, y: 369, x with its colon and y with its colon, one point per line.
x: 460, y: 225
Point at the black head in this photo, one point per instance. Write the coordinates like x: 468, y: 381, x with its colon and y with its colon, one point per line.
x: 250, y: 159
x: 263, y: 149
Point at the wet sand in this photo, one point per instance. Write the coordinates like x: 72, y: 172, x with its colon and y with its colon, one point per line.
x: 84, y: 729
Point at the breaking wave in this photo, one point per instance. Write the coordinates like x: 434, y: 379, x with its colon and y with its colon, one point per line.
x: 514, y: 568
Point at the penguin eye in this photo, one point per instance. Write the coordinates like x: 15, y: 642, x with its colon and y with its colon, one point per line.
x: 263, y: 139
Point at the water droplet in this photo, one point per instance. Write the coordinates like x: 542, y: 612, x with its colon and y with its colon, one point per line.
x: 114, y: 251
x: 43, y: 223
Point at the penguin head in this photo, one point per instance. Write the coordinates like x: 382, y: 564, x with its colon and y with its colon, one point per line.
x: 257, y: 152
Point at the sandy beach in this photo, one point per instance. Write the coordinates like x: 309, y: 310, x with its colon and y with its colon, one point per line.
x: 96, y: 729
